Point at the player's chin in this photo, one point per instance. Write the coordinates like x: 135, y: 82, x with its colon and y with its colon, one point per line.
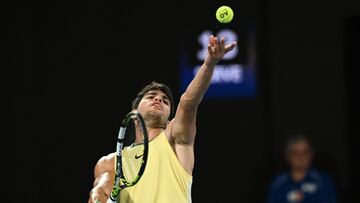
x: 158, y: 114
x: 154, y: 113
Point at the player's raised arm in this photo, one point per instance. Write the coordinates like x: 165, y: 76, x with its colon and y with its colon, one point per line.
x: 199, y: 85
x: 184, y: 121
x: 183, y: 127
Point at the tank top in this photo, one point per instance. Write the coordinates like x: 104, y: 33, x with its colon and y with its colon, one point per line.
x: 164, y: 179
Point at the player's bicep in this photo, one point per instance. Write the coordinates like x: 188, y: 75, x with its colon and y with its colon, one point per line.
x: 104, y: 164
x: 104, y: 173
x: 184, y: 123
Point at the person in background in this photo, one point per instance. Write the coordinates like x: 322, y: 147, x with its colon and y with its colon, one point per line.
x: 302, y: 183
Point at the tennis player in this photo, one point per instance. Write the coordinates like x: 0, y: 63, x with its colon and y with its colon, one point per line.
x: 168, y: 173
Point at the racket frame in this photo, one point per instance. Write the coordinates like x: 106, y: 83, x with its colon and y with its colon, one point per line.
x: 120, y: 182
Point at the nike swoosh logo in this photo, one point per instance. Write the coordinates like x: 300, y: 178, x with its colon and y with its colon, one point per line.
x: 138, y: 156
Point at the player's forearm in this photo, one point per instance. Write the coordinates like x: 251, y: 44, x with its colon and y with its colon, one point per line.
x: 98, y: 194
x: 199, y: 85
x: 102, y: 187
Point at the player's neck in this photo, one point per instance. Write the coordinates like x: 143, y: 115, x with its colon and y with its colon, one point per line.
x: 154, y: 127
x: 154, y: 132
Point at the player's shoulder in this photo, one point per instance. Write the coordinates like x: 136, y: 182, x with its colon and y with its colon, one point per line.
x: 105, y: 165
x: 107, y: 159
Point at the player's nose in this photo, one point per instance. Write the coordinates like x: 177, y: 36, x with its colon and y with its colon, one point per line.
x: 158, y: 98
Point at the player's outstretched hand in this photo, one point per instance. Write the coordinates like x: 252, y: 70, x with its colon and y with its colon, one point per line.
x: 217, y: 49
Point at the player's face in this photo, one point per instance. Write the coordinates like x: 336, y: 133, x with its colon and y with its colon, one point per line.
x: 155, y: 103
x: 300, y: 155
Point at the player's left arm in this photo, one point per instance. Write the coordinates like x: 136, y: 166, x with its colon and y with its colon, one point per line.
x: 182, y: 129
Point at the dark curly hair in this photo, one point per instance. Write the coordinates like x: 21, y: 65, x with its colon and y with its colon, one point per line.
x: 155, y: 86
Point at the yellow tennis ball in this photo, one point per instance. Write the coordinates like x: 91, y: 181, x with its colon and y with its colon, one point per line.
x: 224, y: 14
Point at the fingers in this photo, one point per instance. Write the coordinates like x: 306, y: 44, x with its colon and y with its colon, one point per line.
x: 222, y: 41
x: 212, y: 40
x: 215, y: 41
x: 230, y: 47
x: 222, y: 44
x: 211, y: 49
x: 217, y: 47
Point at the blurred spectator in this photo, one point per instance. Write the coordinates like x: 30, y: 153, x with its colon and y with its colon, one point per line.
x: 302, y: 183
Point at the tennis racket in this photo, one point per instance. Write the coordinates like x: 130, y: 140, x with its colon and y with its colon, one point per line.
x: 131, y: 154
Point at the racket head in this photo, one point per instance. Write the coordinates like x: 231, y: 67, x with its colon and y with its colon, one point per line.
x: 135, y: 150
x: 131, y: 152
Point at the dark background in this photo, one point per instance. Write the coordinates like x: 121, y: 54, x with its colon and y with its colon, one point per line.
x: 72, y: 69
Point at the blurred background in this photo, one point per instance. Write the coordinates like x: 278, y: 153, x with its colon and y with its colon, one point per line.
x: 73, y: 68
